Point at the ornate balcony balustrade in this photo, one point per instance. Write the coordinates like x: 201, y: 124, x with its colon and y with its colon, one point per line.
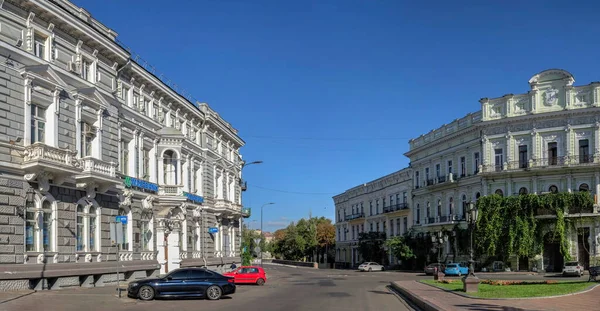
x: 170, y: 190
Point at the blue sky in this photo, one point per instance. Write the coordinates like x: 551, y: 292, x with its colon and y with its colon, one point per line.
x: 327, y: 93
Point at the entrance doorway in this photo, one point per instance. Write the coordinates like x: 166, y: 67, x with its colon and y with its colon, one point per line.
x: 523, y: 263
x: 583, y: 247
x: 553, y: 259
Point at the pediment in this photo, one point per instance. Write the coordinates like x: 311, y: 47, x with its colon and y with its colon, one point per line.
x: 44, y: 73
x: 552, y: 75
x: 93, y: 95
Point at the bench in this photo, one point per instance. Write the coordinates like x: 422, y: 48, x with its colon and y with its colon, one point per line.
x: 594, y: 273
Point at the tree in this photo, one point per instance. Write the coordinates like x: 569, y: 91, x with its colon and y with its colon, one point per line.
x: 325, y: 237
x: 398, y: 247
x: 370, y: 246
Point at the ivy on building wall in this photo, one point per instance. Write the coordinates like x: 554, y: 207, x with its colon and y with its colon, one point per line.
x: 508, y: 225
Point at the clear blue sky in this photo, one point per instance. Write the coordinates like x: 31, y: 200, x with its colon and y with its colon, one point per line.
x: 327, y: 93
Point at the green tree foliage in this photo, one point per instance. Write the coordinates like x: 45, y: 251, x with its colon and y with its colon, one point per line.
x: 370, y: 246
x: 398, y: 247
x: 306, y: 238
x: 507, y: 225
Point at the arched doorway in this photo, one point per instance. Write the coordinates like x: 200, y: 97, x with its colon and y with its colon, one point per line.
x: 553, y: 259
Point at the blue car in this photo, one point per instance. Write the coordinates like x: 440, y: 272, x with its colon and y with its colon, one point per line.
x: 186, y: 282
x: 456, y: 269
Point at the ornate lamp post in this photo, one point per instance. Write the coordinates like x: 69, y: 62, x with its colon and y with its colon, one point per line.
x: 471, y: 282
x: 439, y: 239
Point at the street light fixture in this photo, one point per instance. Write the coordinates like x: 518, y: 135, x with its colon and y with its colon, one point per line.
x: 471, y: 282
x: 261, y: 230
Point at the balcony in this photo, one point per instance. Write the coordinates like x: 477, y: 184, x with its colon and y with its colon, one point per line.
x: 395, y: 208
x: 97, y: 172
x: 41, y: 157
x: 172, y: 190
x: 355, y: 216
x: 545, y: 163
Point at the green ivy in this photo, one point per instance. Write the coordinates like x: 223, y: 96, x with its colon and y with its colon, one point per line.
x: 507, y: 225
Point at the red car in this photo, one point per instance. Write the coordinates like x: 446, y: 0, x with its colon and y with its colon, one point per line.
x: 248, y: 275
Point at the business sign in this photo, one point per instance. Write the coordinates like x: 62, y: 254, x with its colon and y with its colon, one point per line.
x: 194, y: 198
x: 213, y: 230
x: 140, y: 184
x: 121, y: 219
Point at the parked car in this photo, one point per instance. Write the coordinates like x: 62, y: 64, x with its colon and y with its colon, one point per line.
x: 430, y: 269
x: 248, y: 275
x: 370, y: 266
x: 186, y: 282
x: 572, y: 268
x: 456, y: 269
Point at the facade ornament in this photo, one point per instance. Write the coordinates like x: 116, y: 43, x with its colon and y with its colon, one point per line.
x: 41, y: 259
x: 25, y: 258
x: 197, y: 212
x: 55, y: 258
x: 147, y: 203
x: 99, y: 258
x: 43, y: 180
x: 90, y: 189
x: 88, y: 257
x: 551, y: 97
x: 125, y: 198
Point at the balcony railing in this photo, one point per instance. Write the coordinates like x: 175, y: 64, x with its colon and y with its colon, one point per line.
x: 148, y: 255
x: 41, y: 152
x: 430, y: 220
x: 429, y: 182
x: 441, y: 179
x: 97, y: 166
x: 355, y: 216
x: 562, y: 161
x: 170, y: 190
x: 578, y: 210
x: 396, y: 207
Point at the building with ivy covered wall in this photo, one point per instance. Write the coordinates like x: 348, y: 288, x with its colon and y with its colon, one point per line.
x: 546, y: 140
x: 89, y: 132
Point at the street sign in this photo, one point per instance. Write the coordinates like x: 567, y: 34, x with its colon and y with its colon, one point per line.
x: 257, y: 240
x: 213, y: 230
x: 121, y: 219
x: 257, y: 250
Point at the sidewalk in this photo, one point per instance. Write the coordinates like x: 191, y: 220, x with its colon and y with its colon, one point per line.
x: 6, y: 296
x: 429, y: 298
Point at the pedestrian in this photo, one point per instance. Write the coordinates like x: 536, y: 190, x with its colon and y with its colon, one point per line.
x: 233, y: 266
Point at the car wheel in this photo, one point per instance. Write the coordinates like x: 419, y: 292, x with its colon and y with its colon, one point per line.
x: 214, y: 292
x: 382, y: 268
x: 260, y: 282
x: 370, y: 269
x: 146, y: 293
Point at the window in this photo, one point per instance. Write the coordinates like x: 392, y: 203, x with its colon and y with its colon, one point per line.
x: 464, y: 206
x: 450, y: 167
x: 145, y: 231
x: 371, y: 228
x: 499, y: 192
x: 39, y: 227
x: 377, y: 206
x: 202, y: 274
x: 584, y: 187
x: 125, y: 95
x: 391, y: 200
x: 405, y: 227
x: 377, y: 226
x: 179, y: 275
x: 383, y: 202
x: 124, y: 158
x: 404, y: 197
x: 417, y: 179
x: 418, y: 220
x: 80, y: 228
x: 370, y: 208
x: 463, y: 167
x: 397, y: 226
x: 38, y: 124
x: 498, y: 159
x: 451, y: 206
x: 146, y: 165
x: 476, y: 162
x: 523, y: 156
x: 93, y: 224
x: 362, y: 227
x: 87, y: 137
x: 39, y: 46
x: 553, y: 189
x: 361, y: 208
x: 584, y: 151
x: 427, y: 173
x: 136, y: 101
x: 437, y: 171
x: 170, y: 168
x: 439, y: 208
x: 86, y: 70
x: 552, y: 153
x: 522, y: 191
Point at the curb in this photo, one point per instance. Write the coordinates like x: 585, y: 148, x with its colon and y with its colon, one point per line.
x: 17, y: 297
x: 415, y: 299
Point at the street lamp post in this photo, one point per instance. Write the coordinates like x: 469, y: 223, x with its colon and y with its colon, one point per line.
x: 261, y: 230
x: 471, y: 281
x: 244, y: 164
x: 439, y: 238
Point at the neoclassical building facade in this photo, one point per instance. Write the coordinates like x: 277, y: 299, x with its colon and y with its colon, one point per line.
x: 381, y: 205
x: 87, y: 135
x: 545, y: 140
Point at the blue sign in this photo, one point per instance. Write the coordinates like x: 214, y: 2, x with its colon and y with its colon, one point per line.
x: 213, y: 230
x: 121, y: 219
x: 139, y: 183
x: 194, y: 198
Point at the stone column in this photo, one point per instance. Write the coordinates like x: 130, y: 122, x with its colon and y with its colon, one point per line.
x: 161, y: 244
x: 534, y: 145
x: 509, y: 150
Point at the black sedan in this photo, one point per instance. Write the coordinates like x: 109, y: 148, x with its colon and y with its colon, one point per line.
x: 187, y: 282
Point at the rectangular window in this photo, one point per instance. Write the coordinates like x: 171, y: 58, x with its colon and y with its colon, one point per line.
x: 450, y: 167
x: 92, y: 232
x: 476, y: 162
x: 498, y: 159
x: 405, y: 228
x: 86, y: 70
x: 391, y: 227
x: 417, y: 184
x: 391, y: 200
x: 125, y: 95
x: 38, y: 124
x: 371, y: 227
x: 377, y: 207
x: 437, y: 171
x: 463, y: 167
x: 427, y: 173
x: 136, y: 101
x: 523, y: 156
x: 370, y: 208
x: 584, y: 151
x: 552, y: 153
x: 87, y: 136
x: 361, y: 208
x: 362, y: 227
x: 404, y: 197
x: 377, y: 226
x: 39, y: 46
x: 30, y: 236
x: 80, y: 231
x: 47, y: 232
x: 398, y: 232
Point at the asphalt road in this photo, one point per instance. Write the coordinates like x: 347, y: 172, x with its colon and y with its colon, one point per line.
x: 287, y: 289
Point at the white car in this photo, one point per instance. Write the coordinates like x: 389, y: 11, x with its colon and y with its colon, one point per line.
x: 572, y: 268
x: 370, y: 266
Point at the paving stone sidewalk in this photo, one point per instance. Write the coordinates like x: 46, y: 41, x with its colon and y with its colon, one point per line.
x: 430, y: 298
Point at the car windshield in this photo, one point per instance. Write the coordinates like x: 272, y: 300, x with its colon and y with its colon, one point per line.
x: 451, y: 266
x: 572, y: 263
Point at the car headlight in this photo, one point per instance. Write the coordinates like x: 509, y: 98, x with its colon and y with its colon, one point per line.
x: 133, y: 284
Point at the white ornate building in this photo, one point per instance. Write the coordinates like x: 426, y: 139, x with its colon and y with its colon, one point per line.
x: 546, y: 140
x: 88, y: 134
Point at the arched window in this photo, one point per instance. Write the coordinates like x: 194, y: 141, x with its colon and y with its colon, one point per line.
x: 477, y: 195
x: 522, y: 191
x: 39, y: 226
x: 499, y: 192
x: 584, y: 187
x: 170, y: 168
x: 451, y: 206
x: 553, y: 189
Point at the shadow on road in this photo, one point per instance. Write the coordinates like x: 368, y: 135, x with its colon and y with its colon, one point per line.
x: 380, y: 292
x: 488, y: 307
